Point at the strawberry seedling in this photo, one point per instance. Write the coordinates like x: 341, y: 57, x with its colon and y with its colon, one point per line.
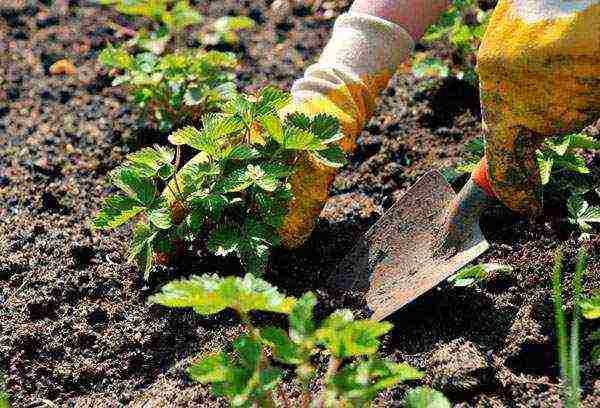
x: 233, y: 191
x: 462, y: 26
x: 246, y: 375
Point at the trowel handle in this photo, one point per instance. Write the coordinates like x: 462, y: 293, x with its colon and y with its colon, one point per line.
x: 481, y: 177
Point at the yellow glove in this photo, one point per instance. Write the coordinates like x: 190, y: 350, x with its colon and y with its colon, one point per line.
x: 539, y: 69
x: 357, y: 63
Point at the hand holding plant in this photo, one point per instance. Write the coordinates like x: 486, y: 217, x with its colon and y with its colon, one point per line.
x: 234, y: 190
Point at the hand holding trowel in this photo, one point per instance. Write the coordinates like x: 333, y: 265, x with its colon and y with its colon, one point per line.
x: 538, y: 72
x: 426, y: 236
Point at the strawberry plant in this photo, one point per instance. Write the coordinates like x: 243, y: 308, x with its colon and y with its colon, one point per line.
x: 172, y: 84
x: 245, y: 374
x: 234, y: 191
x: 462, y: 27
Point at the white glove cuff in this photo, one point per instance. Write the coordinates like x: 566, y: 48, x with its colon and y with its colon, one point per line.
x: 361, y: 46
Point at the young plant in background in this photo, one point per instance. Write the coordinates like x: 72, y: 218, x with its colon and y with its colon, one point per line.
x: 234, y: 191
x: 462, y: 26
x: 246, y: 375
x: 568, y: 344
x: 172, y: 84
x: 176, y: 88
x: 165, y: 21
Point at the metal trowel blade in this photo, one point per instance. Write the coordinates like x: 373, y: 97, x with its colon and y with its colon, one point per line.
x: 400, y: 258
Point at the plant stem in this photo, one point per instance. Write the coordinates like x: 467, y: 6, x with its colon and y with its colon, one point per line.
x: 332, y: 368
x: 575, y: 391
x: 559, y: 316
x: 177, y: 162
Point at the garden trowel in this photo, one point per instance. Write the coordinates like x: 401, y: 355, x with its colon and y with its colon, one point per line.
x: 425, y: 237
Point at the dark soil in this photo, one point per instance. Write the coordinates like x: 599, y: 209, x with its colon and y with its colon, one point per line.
x: 75, y: 327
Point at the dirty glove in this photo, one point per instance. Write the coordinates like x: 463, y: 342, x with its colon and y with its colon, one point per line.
x: 539, y: 70
x: 357, y: 63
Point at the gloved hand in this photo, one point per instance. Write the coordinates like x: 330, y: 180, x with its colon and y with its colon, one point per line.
x: 357, y: 63
x: 539, y: 70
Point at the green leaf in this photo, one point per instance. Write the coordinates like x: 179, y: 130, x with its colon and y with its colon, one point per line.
x: 184, y: 136
x: 590, y: 308
x: 132, y: 182
x: 271, y: 100
x: 363, y: 380
x: 141, y: 248
x: 243, y: 152
x: 151, y: 9
x: 254, y: 256
x: 181, y: 16
x: 116, y: 58
x: 333, y: 156
x: 211, y: 369
x: 581, y: 214
x: 209, y: 204
x: 423, y: 397
x: 237, y: 180
x: 153, y: 160
x: 238, y: 376
x: 572, y: 162
x: 228, y: 23
x: 477, y: 273
x: 224, y: 240
x: 160, y: 216
x: 297, y: 139
x: 249, y: 352
x: 284, y: 350
x: 345, y: 337
x: 209, y: 294
x: 559, y: 146
x: 430, y: 68
x: 583, y: 141
x: 267, y: 182
x: 326, y: 128
x: 277, y: 170
x: 299, y: 120
x: 272, y: 125
x: 155, y: 42
x: 302, y: 325
x: 545, y: 165
x: 116, y: 211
